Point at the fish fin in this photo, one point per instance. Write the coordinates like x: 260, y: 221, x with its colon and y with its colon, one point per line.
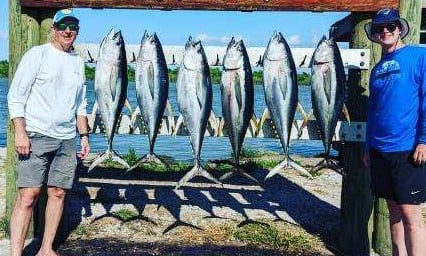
x: 117, y: 157
x: 282, y: 83
x: 103, y: 157
x: 150, y: 79
x: 345, y: 111
x: 240, y: 171
x: 199, y: 91
x: 237, y: 90
x: 299, y: 168
x: 327, y: 82
x: 196, y: 171
x: 276, y: 169
x: 148, y: 158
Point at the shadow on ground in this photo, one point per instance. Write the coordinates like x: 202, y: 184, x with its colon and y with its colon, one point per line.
x: 279, y: 199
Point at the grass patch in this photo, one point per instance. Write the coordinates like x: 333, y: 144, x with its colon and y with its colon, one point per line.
x: 82, y: 230
x: 110, y: 163
x: 255, y: 153
x: 257, y: 234
x: 270, y: 236
x: 125, y: 214
x: 3, y: 227
x: 131, y: 157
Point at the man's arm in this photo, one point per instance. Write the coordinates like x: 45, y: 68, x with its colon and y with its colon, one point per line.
x: 83, y: 130
x: 420, y: 151
x: 22, y: 142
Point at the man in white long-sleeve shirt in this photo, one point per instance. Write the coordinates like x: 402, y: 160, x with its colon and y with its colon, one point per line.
x: 47, y: 100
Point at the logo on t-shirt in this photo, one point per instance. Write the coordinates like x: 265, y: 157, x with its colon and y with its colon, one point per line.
x: 389, y: 69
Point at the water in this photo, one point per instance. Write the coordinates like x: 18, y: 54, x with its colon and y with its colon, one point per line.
x: 259, y: 104
x: 178, y: 147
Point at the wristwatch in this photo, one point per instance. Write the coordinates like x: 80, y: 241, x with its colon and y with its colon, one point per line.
x: 85, y: 134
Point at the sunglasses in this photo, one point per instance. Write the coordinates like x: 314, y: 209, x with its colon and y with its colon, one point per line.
x: 377, y: 29
x: 64, y: 26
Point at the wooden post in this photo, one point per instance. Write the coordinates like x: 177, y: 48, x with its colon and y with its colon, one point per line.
x: 24, y: 29
x: 15, y: 54
x: 357, y: 200
x: 411, y: 10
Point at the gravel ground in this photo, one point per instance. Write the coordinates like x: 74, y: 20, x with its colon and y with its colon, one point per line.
x: 110, y: 212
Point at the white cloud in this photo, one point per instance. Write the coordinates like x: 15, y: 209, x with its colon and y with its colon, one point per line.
x: 4, y: 34
x: 295, y: 40
x: 208, y: 39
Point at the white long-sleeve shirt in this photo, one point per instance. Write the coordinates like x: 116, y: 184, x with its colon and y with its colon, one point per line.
x: 48, y: 91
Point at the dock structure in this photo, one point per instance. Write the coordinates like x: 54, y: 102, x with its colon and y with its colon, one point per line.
x: 260, y: 127
x: 30, y: 22
x: 352, y: 58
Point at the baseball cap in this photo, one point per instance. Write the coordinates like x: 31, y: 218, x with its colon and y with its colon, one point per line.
x: 64, y: 13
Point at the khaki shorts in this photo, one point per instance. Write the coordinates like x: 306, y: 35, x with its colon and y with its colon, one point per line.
x: 52, y: 162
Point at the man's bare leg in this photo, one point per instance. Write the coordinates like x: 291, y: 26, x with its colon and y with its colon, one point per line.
x: 20, y: 219
x: 415, y: 232
x: 397, y: 229
x: 54, y: 209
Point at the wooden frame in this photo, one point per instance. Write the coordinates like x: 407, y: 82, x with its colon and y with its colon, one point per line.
x: 249, y: 5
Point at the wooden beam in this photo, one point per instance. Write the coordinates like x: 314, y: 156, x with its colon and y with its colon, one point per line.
x: 15, y: 54
x: 357, y: 200
x: 248, y: 5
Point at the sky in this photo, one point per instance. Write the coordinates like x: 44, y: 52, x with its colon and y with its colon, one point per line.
x: 214, y: 28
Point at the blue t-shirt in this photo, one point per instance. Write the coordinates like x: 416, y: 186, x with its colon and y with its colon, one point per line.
x: 396, y: 106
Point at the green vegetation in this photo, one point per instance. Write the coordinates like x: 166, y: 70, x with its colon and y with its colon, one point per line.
x: 4, y: 68
x: 131, y: 158
x: 82, y: 230
x: 258, y: 77
x: 264, y: 234
x: 215, y: 74
x: 169, y: 164
x: 250, y: 159
x: 3, y: 227
x: 130, y: 73
x: 173, y: 74
x: 90, y: 73
x: 125, y: 214
x: 304, y: 78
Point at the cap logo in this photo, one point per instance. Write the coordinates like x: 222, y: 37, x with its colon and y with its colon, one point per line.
x: 66, y: 11
x: 384, y: 11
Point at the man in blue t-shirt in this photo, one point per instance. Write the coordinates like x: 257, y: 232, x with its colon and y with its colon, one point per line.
x: 396, y: 131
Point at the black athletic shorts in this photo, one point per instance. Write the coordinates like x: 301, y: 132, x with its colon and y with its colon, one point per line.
x: 395, y: 176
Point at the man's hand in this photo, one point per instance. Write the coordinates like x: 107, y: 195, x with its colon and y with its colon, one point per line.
x: 22, y: 143
x: 419, y: 155
x: 85, y: 148
x: 366, y: 159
